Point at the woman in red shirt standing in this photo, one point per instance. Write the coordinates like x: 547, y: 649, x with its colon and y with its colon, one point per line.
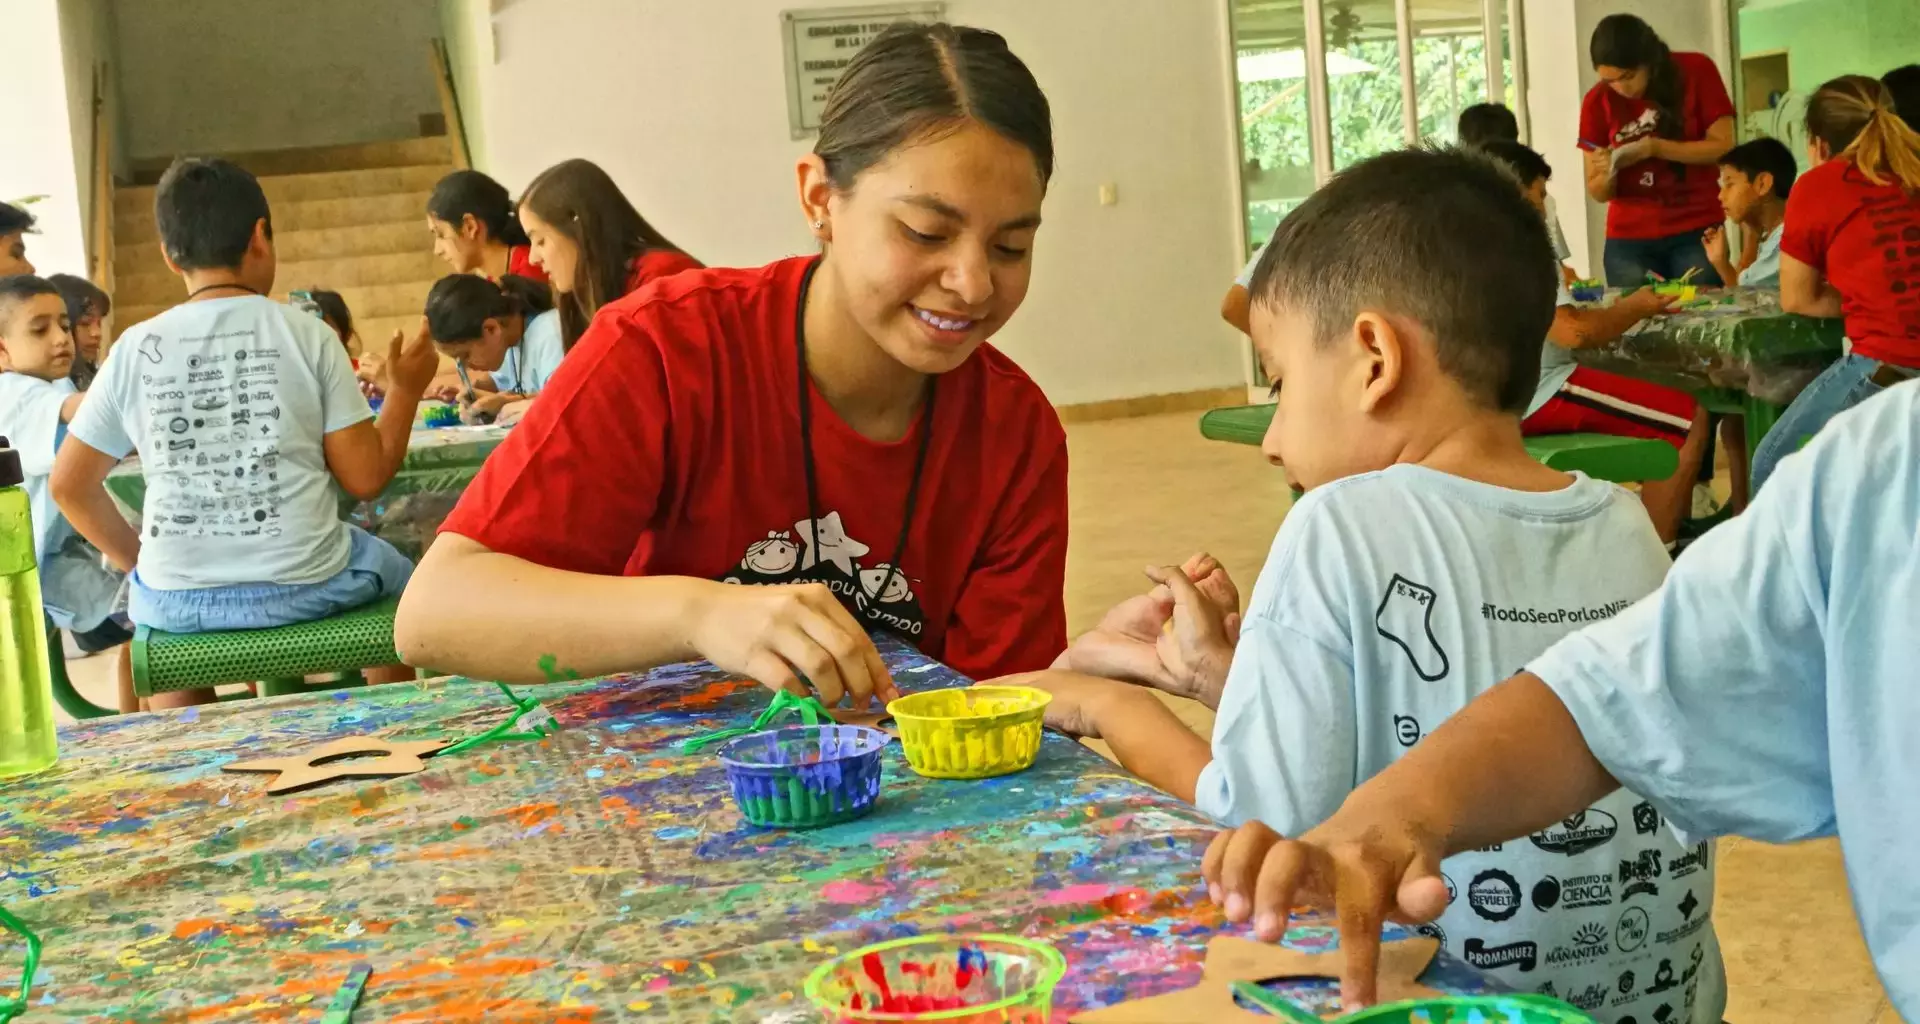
x: 1851, y: 248
x: 1654, y: 129
x: 756, y: 466
x: 474, y: 229
x: 592, y: 243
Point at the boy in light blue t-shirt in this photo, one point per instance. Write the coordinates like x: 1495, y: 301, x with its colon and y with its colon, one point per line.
x: 1429, y: 556
x: 1755, y: 179
x: 244, y: 413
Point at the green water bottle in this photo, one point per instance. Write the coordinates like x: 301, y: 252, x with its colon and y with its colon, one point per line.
x: 27, y: 741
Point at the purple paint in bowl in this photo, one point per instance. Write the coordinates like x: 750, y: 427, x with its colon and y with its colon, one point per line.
x: 805, y: 776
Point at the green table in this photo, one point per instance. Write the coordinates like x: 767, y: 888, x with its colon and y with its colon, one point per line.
x: 440, y: 463
x: 1739, y: 355
x: 1619, y: 459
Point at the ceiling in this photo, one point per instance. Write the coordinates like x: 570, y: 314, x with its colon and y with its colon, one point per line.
x: 1280, y: 24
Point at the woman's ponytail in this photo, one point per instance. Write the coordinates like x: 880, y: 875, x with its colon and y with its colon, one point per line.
x: 1855, y: 116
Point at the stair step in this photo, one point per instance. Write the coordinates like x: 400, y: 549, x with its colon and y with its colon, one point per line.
x: 367, y: 302
x: 431, y: 150
x: 137, y: 201
x: 151, y: 287
x: 395, y: 207
x: 409, y: 236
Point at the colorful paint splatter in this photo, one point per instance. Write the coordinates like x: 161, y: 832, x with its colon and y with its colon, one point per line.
x: 598, y: 875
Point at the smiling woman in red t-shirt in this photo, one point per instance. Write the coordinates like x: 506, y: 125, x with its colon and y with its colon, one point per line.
x: 836, y: 421
x: 1653, y: 129
x: 592, y: 244
x: 1851, y: 248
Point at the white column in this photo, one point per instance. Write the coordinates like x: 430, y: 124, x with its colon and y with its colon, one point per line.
x: 1517, y: 38
x: 1409, y: 91
x: 1490, y: 22
x: 1319, y: 115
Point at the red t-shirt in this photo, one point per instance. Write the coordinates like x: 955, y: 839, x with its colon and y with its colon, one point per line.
x: 520, y: 262
x: 1657, y: 198
x: 658, y: 263
x: 1866, y: 239
x: 668, y: 443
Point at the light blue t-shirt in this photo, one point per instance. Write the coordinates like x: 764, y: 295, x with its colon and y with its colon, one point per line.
x: 1764, y: 271
x: 530, y: 363
x: 30, y: 421
x: 1770, y: 687
x: 1556, y: 363
x: 227, y: 403
x: 1389, y: 602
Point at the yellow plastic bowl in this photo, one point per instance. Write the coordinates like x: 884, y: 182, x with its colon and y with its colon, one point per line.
x: 971, y: 732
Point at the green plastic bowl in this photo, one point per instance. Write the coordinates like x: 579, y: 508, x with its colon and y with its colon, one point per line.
x: 1529, y: 1009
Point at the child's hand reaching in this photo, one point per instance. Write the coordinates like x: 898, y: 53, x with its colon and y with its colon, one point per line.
x: 1648, y: 303
x: 1197, y: 651
x: 1076, y: 701
x: 1125, y: 643
x: 411, y: 363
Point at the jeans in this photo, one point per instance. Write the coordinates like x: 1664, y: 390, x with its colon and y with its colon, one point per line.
x: 1628, y: 260
x: 1840, y: 387
x: 375, y: 569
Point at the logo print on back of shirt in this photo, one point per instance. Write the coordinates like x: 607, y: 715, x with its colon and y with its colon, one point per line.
x: 1688, y: 906
x: 1576, y: 835
x: 1646, y: 820
x: 1494, y: 895
x: 1524, y: 955
x: 150, y: 348
x: 1406, y: 729
x: 1546, y: 894
x: 1693, y: 860
x: 1630, y: 932
x: 1637, y: 875
x: 1405, y: 616
x: 1663, y: 978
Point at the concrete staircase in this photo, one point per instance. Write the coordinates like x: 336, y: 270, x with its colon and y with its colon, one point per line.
x: 350, y: 219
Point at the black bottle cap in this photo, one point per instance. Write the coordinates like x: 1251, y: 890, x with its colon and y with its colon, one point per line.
x: 10, y: 473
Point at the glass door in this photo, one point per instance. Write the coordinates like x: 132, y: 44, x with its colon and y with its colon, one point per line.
x: 1277, y: 147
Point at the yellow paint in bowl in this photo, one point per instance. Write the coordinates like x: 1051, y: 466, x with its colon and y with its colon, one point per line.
x: 972, y: 732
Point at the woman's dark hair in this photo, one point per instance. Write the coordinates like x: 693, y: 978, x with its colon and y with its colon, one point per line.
x: 464, y: 193
x: 1488, y: 122
x: 1624, y: 41
x: 581, y: 202
x: 334, y: 308
x: 14, y: 220
x: 82, y: 297
x: 1854, y: 116
x: 460, y: 304
x: 914, y: 82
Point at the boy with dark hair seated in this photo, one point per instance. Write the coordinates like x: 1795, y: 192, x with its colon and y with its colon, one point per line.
x: 1399, y: 311
x: 1572, y: 399
x: 1755, y: 179
x: 244, y: 413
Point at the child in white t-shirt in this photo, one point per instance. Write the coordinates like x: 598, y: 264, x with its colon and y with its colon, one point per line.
x: 244, y: 412
x: 37, y: 401
x: 1429, y: 557
x: 507, y: 329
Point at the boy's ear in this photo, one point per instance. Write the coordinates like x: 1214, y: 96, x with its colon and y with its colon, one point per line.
x: 1383, y: 351
x: 1763, y: 183
x: 261, y: 244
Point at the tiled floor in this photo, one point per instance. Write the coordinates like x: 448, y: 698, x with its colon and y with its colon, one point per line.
x: 1151, y: 490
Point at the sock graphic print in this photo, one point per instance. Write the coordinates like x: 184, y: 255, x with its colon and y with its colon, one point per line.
x: 1405, y: 617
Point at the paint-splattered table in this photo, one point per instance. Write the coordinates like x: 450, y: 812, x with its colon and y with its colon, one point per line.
x: 595, y: 876
x: 440, y: 462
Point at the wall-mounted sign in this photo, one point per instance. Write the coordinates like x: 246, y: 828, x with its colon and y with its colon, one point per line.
x: 820, y: 42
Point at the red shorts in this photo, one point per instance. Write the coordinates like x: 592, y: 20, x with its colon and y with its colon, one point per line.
x: 1595, y: 402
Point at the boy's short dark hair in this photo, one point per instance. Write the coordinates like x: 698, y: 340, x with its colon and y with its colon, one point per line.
x: 1904, y: 83
x: 1488, y: 122
x: 14, y: 220
x: 18, y: 288
x: 1438, y: 236
x: 1523, y: 161
x: 1769, y: 155
x: 205, y: 210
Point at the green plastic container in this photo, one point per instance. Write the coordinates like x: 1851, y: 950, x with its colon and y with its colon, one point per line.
x: 1528, y: 1009
x: 27, y: 740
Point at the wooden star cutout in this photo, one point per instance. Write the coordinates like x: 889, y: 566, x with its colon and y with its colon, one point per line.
x: 878, y: 719
x: 1231, y: 959
x: 336, y: 760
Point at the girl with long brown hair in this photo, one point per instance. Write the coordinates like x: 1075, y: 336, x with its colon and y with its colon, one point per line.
x: 1851, y: 249
x: 755, y: 467
x: 591, y: 242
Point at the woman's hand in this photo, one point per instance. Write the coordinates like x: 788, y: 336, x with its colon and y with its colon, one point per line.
x: 1197, y: 648
x: 788, y: 637
x: 1637, y: 151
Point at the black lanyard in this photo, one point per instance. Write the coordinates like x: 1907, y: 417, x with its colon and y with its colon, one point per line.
x: 806, y: 445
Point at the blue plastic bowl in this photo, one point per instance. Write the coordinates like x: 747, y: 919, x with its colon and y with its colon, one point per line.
x: 805, y: 776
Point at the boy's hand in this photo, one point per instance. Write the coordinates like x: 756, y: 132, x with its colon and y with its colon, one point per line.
x: 1648, y: 303
x: 1125, y: 643
x: 512, y: 412
x: 1197, y: 651
x: 1077, y: 698
x: 412, y: 362
x: 1715, y: 240
x: 1366, y: 865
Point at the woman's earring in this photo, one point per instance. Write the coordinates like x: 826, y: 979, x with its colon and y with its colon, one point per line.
x: 818, y: 224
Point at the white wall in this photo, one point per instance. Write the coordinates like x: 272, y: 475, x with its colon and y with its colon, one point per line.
x: 685, y: 106
x: 39, y: 156
x: 212, y: 76
x: 467, y: 27
x: 1559, y: 73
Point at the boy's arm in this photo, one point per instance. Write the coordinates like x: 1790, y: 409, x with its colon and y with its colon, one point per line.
x: 1146, y: 736
x: 1715, y: 241
x: 79, y: 487
x: 1575, y: 327
x: 364, y: 457
x: 70, y: 406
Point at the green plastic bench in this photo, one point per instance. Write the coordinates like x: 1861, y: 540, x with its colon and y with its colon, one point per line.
x: 279, y: 659
x: 1601, y: 456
